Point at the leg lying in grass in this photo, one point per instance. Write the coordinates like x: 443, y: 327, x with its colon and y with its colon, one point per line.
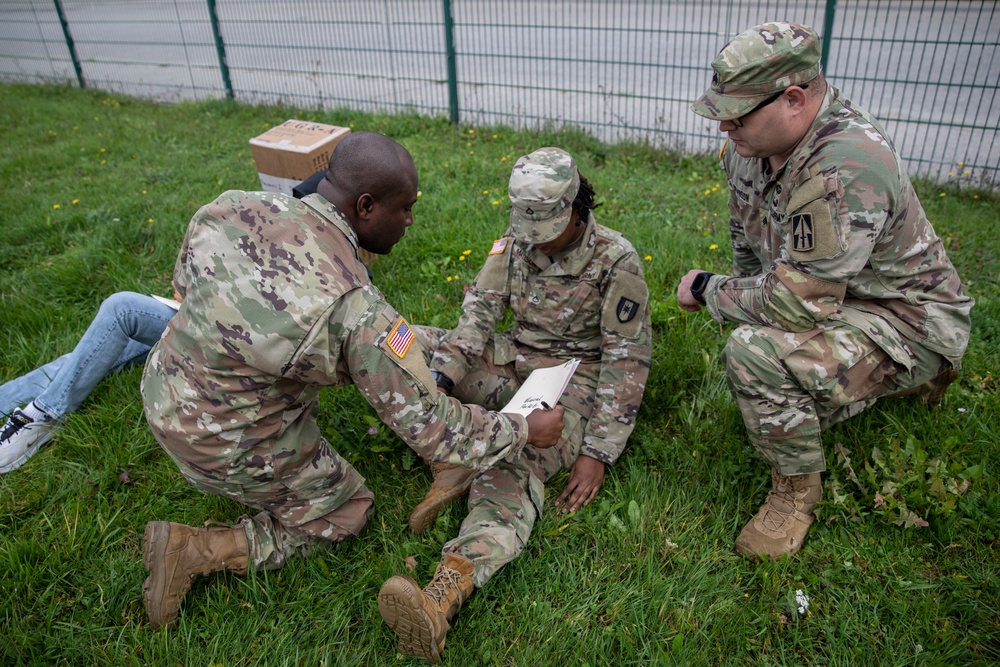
x: 121, y: 335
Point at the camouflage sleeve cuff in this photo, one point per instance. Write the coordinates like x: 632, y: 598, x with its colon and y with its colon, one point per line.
x: 601, y: 450
x: 711, y: 294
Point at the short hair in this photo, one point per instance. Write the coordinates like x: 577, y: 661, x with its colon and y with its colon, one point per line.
x: 367, y: 162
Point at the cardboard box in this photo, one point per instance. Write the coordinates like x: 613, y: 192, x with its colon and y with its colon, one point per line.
x: 293, y: 151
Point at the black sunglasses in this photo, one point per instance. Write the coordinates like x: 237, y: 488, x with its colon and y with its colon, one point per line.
x: 738, y: 122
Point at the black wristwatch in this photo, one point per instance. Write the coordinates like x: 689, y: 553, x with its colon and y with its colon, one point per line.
x: 699, y: 285
x: 443, y: 381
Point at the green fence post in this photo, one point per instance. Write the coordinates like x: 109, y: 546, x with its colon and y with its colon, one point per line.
x: 220, y: 48
x: 449, y: 45
x: 69, y: 42
x: 831, y: 10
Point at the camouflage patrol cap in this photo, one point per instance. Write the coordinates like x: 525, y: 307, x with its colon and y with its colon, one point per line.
x: 758, y: 63
x: 542, y: 188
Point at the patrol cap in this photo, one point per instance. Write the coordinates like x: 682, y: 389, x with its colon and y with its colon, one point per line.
x: 543, y: 185
x: 756, y: 64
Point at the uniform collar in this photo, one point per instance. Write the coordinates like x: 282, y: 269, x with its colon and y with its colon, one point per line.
x: 573, y: 260
x: 332, y: 214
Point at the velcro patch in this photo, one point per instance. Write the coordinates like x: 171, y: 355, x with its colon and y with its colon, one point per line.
x: 625, y: 304
x: 499, y: 246
x: 812, y: 220
x: 803, y: 235
x: 400, y: 338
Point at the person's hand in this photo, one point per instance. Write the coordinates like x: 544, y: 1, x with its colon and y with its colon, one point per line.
x: 584, y: 482
x: 545, y: 427
x: 684, y: 297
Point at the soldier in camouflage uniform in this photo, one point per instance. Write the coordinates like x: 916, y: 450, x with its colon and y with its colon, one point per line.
x: 276, y: 305
x: 842, y: 290
x: 577, y: 291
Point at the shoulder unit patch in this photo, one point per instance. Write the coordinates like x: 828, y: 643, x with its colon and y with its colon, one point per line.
x: 803, y: 232
x: 499, y: 246
x: 626, y: 310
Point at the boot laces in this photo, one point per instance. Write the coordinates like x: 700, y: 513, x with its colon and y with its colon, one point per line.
x: 445, y: 579
x: 783, y: 501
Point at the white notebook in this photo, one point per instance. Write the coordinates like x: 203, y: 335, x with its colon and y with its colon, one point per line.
x: 544, y: 384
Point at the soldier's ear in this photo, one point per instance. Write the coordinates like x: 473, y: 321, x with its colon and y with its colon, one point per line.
x: 364, y: 206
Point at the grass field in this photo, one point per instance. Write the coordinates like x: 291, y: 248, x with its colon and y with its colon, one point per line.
x: 98, y: 191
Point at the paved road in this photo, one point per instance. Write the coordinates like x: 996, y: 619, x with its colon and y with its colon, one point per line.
x: 623, y: 69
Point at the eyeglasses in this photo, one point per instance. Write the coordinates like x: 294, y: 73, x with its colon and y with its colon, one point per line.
x: 738, y: 122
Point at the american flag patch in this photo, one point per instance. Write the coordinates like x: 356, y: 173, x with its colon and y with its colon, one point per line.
x: 499, y: 246
x: 400, y: 338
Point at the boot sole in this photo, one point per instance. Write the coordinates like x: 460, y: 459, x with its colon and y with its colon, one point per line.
x: 154, y: 545
x: 400, y: 603
x: 424, y: 514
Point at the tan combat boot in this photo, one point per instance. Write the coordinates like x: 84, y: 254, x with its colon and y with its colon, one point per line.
x: 781, y: 525
x: 932, y: 391
x: 450, y: 482
x: 420, y: 618
x: 175, y: 554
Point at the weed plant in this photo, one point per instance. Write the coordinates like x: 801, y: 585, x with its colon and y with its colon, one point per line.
x: 902, y: 569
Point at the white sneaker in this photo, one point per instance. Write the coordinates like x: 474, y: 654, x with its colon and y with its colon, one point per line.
x: 21, y: 437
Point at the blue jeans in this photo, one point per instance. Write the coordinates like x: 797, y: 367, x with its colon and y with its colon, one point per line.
x: 126, y: 327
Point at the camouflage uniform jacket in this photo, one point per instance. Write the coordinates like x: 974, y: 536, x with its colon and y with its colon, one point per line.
x: 590, y: 303
x: 837, y: 230
x: 276, y: 305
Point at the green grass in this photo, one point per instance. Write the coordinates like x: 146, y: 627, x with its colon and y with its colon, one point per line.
x: 645, y: 575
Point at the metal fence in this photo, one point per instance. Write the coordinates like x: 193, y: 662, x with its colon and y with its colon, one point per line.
x: 621, y: 69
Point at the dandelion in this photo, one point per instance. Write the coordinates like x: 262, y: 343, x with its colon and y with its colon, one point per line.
x: 419, y: 194
x: 471, y: 131
x: 503, y: 159
x: 150, y: 220
x: 648, y: 258
x: 104, y: 161
x: 448, y: 278
x: 472, y: 152
x: 104, y: 150
x: 144, y: 192
x: 461, y: 258
x: 966, y: 172
x: 708, y: 192
x: 802, y: 600
x: 76, y: 201
x: 951, y: 173
x: 496, y: 203
x: 714, y: 246
x: 456, y: 276
x: 467, y: 252
x: 486, y: 192
x: 373, y: 430
x: 961, y: 164
x: 941, y: 195
x: 975, y: 196
x: 494, y: 136
x: 56, y: 206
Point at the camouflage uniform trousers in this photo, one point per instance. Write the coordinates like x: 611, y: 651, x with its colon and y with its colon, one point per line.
x: 505, y: 500
x: 285, y: 527
x: 792, y: 386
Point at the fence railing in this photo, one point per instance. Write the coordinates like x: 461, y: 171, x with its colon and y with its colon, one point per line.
x: 621, y: 69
